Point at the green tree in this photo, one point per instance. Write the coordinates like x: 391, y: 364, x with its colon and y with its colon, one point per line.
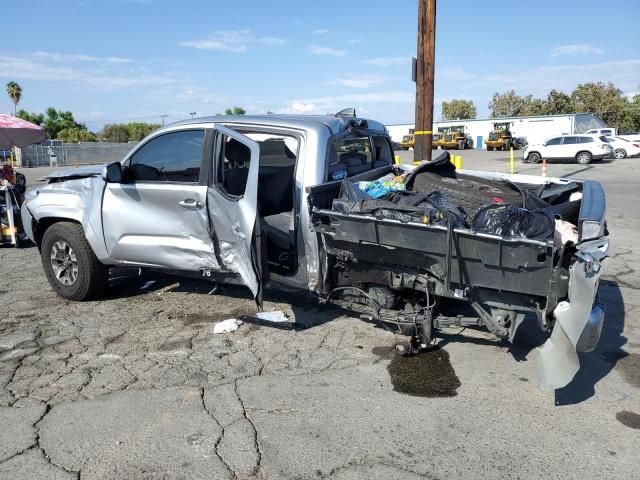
x: 76, y: 135
x: 15, y: 93
x: 532, y: 106
x: 58, y: 120
x: 508, y: 104
x: 630, y: 120
x: 605, y: 100
x: 558, y: 103
x: 114, y: 132
x: 36, y: 118
x: 235, y: 111
x: 458, y: 109
x: 138, y: 130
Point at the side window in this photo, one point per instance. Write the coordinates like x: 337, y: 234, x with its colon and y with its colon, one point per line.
x: 555, y: 141
x: 586, y: 140
x: 172, y: 157
x: 571, y: 140
x: 607, y: 132
x: 233, y: 159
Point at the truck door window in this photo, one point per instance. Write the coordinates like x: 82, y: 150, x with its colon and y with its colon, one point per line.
x: 232, y: 161
x: 172, y: 157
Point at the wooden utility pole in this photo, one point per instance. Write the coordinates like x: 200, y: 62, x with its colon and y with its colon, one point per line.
x: 425, y: 69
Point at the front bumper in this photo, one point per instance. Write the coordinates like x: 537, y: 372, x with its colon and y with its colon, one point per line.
x: 578, y: 321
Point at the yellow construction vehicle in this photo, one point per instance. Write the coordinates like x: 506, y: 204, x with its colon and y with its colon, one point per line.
x: 452, y: 137
x: 408, y: 141
x: 500, y: 137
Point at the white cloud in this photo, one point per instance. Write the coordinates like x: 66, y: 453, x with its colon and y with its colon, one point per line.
x: 354, y: 41
x: 376, y: 104
x: 388, y: 61
x: 358, y: 81
x: 334, y: 52
x: 235, y: 41
x: 320, y: 31
x: 44, y: 68
x: 79, y: 57
x: 576, y: 49
x: 540, y: 80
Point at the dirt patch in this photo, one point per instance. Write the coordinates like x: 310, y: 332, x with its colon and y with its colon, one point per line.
x: 628, y: 419
x: 428, y: 374
x: 629, y: 367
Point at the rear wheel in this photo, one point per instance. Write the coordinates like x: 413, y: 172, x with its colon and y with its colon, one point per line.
x: 489, y: 149
x: 69, y: 263
x: 534, y: 157
x: 583, y: 158
x: 620, y: 153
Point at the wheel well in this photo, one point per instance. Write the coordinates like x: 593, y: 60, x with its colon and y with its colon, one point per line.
x: 44, y: 224
x: 584, y: 151
x: 537, y: 153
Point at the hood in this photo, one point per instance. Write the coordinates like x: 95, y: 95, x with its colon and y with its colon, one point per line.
x: 80, y: 172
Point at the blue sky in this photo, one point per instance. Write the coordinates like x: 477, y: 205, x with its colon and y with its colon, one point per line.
x: 118, y: 60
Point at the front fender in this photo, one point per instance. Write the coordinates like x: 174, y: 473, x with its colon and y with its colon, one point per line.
x: 78, y: 200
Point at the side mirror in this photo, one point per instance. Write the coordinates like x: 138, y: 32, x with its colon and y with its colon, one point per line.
x: 112, y: 173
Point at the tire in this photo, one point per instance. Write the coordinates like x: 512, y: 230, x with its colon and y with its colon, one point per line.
x: 460, y: 145
x: 583, y: 158
x: 534, y: 157
x: 620, y: 153
x: 507, y: 145
x: 489, y: 149
x: 78, y: 274
x: 466, y: 191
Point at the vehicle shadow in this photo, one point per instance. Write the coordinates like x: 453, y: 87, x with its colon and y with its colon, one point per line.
x: 596, y: 365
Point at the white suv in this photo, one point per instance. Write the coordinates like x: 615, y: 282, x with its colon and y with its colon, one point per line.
x: 581, y: 148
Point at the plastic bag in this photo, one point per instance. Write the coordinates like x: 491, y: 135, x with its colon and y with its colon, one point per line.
x: 510, y: 221
x: 382, y: 186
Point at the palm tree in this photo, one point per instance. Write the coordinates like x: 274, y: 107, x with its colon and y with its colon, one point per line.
x: 15, y: 92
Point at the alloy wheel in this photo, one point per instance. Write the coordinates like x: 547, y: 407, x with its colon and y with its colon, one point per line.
x: 64, y: 263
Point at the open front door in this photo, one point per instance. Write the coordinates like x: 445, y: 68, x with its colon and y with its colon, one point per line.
x: 232, y: 200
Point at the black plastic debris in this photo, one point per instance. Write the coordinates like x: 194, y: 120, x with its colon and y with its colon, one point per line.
x: 511, y: 221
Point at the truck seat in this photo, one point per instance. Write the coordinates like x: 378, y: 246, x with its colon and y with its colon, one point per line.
x: 279, y: 229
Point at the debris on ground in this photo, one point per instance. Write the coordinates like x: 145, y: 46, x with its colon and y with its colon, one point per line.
x: 227, y: 326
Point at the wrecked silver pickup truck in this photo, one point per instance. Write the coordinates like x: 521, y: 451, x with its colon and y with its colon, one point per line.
x: 316, y: 202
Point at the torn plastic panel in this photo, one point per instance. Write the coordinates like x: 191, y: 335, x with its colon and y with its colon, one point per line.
x: 578, y: 320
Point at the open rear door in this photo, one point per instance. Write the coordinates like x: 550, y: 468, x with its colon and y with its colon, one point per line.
x: 232, y: 201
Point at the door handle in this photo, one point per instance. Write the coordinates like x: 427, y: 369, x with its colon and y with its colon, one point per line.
x: 190, y: 203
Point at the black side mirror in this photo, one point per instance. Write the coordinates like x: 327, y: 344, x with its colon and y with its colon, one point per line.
x: 112, y: 173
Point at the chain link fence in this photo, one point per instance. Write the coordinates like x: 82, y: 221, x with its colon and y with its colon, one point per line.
x: 69, y: 154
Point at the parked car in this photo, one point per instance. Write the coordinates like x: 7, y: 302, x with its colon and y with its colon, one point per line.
x: 623, y: 148
x: 581, y: 148
x: 607, y: 132
x: 226, y: 198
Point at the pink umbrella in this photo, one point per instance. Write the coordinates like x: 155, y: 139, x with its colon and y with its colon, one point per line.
x: 15, y: 132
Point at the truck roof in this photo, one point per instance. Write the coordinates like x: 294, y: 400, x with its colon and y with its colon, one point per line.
x: 308, y: 122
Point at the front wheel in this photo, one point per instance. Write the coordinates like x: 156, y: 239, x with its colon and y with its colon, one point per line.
x: 69, y: 263
x: 620, y: 153
x: 461, y: 145
x: 583, y: 158
x: 533, y: 158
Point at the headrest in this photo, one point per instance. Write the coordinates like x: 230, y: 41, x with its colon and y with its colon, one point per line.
x: 236, y: 152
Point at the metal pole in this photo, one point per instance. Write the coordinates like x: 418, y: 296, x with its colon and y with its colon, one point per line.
x: 425, y: 69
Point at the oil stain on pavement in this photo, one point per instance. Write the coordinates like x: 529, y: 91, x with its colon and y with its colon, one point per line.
x: 428, y: 374
x: 628, y: 419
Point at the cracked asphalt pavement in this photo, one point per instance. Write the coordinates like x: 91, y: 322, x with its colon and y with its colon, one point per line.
x: 135, y: 385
